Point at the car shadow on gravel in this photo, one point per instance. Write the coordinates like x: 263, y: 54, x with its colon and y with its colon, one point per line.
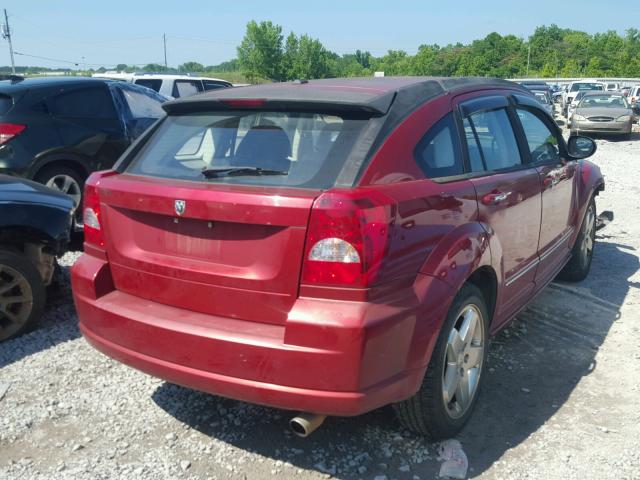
x: 533, y: 367
x: 58, y: 324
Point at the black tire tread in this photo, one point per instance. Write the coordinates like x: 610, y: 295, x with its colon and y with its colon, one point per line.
x: 19, y: 262
x: 415, y: 413
x: 574, y: 270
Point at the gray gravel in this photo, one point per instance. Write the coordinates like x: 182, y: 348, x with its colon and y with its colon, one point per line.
x: 561, y: 398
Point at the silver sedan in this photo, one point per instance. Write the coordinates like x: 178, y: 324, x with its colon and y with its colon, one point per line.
x: 602, y: 112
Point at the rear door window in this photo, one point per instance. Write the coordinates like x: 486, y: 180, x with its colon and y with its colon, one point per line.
x: 92, y: 102
x: 309, y: 149
x: 152, y: 83
x: 491, y: 141
x: 186, y: 88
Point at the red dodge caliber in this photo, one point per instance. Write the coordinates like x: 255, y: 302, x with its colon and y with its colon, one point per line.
x: 334, y: 246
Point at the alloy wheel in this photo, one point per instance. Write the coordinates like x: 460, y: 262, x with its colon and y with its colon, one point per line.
x: 66, y: 184
x: 464, y: 357
x: 16, y: 301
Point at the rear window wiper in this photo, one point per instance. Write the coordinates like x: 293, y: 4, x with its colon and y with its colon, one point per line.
x: 240, y: 171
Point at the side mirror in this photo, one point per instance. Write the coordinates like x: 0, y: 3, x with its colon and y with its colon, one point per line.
x: 581, y: 147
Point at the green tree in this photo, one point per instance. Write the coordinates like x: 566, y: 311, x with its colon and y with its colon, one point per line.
x: 260, y: 52
x: 191, y: 67
x: 154, y: 67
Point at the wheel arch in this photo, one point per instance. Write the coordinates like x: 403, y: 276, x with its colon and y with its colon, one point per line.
x: 68, y: 161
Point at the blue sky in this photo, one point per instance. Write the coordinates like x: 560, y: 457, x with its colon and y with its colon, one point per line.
x: 116, y: 31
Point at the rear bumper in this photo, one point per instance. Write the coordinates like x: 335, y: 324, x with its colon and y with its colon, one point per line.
x: 334, y: 358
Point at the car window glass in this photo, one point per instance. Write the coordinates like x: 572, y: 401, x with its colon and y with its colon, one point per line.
x: 84, y: 103
x: 309, y: 148
x: 475, y: 157
x: 495, y: 139
x: 438, y: 153
x: 604, y: 101
x: 152, y: 83
x: 213, y: 85
x: 186, y: 88
x: 141, y: 105
x: 543, y: 144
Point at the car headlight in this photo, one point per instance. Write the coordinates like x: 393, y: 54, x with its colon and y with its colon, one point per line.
x: 578, y: 118
x: 624, y: 118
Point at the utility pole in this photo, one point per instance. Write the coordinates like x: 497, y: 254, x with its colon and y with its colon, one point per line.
x: 164, y: 41
x: 6, y: 33
x: 528, y: 59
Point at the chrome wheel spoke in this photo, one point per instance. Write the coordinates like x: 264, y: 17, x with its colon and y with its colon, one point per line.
x: 450, y: 382
x: 13, y: 300
x: 463, y: 394
x: 455, y: 345
x: 468, y: 328
x: 9, y: 286
x: 473, y: 377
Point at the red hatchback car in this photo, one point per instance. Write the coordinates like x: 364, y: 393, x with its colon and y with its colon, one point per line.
x: 334, y: 246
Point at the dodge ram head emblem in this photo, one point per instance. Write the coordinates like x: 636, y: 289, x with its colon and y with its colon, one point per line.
x: 180, y: 206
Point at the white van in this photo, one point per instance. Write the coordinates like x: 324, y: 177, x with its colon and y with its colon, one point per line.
x: 169, y: 85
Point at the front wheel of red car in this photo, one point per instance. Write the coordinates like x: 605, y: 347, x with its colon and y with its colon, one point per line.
x: 450, y: 388
x: 579, y: 265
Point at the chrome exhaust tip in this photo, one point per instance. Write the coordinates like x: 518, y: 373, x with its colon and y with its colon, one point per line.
x: 304, y: 424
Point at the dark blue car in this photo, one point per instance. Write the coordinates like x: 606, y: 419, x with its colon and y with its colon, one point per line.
x: 57, y: 131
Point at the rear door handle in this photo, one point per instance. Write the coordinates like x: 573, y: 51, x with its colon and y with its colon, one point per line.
x: 494, y: 198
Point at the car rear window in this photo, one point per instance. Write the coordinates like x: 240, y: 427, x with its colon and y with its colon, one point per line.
x: 6, y: 103
x: 586, y: 86
x: 309, y: 148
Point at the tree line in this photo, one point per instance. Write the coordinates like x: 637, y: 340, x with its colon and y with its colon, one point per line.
x: 266, y: 54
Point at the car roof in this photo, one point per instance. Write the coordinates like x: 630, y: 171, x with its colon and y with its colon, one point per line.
x: 172, y: 76
x: 372, y: 94
x: 31, y: 82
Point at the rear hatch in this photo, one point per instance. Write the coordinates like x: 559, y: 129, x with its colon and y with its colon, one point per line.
x: 211, y: 214
x: 232, y: 253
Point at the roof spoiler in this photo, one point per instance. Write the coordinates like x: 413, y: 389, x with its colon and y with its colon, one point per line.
x: 376, y: 107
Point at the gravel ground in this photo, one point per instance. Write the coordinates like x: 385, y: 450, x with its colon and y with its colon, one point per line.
x: 561, y: 399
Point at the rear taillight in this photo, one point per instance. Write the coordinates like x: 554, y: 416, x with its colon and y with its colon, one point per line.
x: 347, y: 239
x: 91, y: 215
x: 9, y: 131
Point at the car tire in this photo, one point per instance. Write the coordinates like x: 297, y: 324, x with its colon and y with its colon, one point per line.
x: 432, y: 411
x: 579, y: 265
x: 64, y: 179
x: 19, y: 280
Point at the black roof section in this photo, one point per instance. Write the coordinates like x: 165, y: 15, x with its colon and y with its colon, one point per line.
x: 373, y: 96
x: 36, y: 82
